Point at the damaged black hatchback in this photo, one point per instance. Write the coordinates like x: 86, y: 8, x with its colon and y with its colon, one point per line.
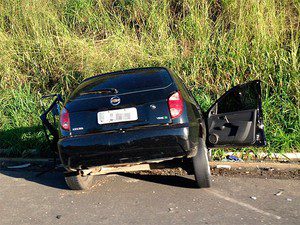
x: 129, y: 120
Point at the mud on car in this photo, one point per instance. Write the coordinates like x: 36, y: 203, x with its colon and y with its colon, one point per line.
x: 132, y: 119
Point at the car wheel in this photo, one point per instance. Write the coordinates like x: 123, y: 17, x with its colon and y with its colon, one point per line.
x: 201, y: 166
x: 79, y: 182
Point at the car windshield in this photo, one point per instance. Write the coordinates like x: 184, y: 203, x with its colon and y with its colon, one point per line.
x: 124, y: 82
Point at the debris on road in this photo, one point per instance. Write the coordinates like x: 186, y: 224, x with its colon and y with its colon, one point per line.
x: 171, y: 210
x: 279, y: 193
x: 58, y: 216
x: 19, y: 166
x: 265, y: 168
x: 232, y: 158
x: 223, y: 167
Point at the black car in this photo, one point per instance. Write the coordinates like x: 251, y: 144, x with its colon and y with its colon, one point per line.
x: 131, y: 119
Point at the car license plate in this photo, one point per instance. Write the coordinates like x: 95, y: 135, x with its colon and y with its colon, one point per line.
x: 117, y: 116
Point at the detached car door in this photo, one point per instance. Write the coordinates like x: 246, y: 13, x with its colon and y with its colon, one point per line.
x: 236, y: 119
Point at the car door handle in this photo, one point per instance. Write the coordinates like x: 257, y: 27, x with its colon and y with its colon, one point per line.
x: 220, y: 127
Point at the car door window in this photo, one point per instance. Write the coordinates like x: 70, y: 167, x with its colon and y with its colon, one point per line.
x: 243, y: 97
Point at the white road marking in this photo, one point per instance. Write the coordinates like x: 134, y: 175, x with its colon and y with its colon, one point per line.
x: 243, y: 204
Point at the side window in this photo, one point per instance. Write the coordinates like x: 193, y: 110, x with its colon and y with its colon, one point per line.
x: 243, y: 97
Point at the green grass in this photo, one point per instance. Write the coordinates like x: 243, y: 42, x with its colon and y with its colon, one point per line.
x: 50, y: 46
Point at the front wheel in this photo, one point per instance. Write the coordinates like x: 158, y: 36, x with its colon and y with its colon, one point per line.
x: 201, y: 166
x: 79, y: 182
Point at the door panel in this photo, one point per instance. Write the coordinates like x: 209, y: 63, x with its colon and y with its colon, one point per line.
x: 232, y: 127
x: 236, y: 118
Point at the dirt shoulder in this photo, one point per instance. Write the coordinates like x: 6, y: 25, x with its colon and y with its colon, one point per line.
x: 258, y: 165
x: 275, y: 170
x: 257, y: 169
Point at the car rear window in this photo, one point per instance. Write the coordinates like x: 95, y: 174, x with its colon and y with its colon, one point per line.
x: 127, y: 81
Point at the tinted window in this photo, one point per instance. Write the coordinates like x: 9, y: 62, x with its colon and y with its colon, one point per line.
x: 241, y: 98
x: 127, y: 81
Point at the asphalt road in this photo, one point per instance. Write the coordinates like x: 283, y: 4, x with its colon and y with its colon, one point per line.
x: 147, y: 199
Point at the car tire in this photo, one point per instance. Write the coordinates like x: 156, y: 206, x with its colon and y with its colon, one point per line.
x: 79, y: 182
x: 201, y: 166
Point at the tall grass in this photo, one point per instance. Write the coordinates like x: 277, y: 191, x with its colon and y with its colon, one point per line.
x: 50, y: 46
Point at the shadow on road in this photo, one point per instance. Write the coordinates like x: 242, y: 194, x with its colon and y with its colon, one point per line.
x: 176, y: 181
x: 50, y: 179
x: 45, y: 175
x: 56, y: 179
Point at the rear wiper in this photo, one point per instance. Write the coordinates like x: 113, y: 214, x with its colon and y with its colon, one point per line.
x: 101, y: 91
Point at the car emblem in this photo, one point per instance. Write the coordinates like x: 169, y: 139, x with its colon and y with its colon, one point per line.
x: 115, y: 100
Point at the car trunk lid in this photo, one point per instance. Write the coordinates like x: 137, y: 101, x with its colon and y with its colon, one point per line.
x: 147, y: 94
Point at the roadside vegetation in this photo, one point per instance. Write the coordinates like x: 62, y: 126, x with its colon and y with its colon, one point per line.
x: 51, y: 46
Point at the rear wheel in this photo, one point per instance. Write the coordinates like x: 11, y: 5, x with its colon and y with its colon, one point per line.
x: 201, y: 166
x: 79, y: 182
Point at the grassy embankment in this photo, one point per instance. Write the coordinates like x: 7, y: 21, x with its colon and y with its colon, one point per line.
x: 50, y: 46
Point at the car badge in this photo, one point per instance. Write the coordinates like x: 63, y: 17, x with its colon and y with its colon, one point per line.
x: 115, y: 100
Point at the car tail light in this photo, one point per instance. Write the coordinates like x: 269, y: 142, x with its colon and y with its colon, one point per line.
x: 65, y: 119
x: 175, y: 103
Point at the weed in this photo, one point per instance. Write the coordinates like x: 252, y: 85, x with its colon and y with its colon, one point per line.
x: 51, y: 46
